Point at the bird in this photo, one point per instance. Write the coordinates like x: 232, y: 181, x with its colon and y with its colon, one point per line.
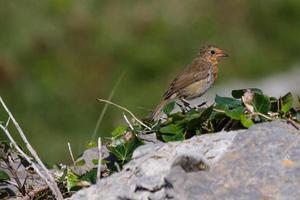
x: 194, y: 80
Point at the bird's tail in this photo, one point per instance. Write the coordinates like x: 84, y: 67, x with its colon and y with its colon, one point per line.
x: 157, y: 112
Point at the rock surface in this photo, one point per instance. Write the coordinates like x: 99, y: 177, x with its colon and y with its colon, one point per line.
x: 262, y: 162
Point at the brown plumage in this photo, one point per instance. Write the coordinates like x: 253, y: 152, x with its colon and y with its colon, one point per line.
x: 194, y: 80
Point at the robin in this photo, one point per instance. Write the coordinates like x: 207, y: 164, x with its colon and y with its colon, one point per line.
x: 194, y: 80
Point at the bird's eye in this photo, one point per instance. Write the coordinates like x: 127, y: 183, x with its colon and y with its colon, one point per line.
x: 212, y: 52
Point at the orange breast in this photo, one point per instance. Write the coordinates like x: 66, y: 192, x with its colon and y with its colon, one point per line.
x: 215, y: 71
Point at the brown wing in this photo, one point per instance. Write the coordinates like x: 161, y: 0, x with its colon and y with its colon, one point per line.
x: 196, y: 71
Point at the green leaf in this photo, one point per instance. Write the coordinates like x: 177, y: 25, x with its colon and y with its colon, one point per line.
x: 4, y: 176
x: 169, y: 107
x: 90, y: 176
x: 239, y: 93
x: 72, y: 180
x: 103, y: 162
x: 246, y: 122
x: 80, y: 163
x: 261, y: 103
x: 286, y: 102
x: 120, y: 130
x: 172, y: 129
x: 176, y: 117
x: 196, y: 120
x: 176, y: 137
x: 227, y: 101
x: 91, y: 144
x: 123, y: 149
x: 235, y: 113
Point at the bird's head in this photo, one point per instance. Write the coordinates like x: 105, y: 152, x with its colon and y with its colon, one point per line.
x: 212, y: 54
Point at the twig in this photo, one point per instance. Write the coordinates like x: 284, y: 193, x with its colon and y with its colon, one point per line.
x: 254, y: 113
x: 217, y: 110
x: 26, y: 157
x: 127, y: 121
x: 101, y: 116
x: 126, y: 110
x: 262, y: 115
x: 293, y: 123
x: 7, y: 122
x: 71, y: 153
x: 50, y: 180
x: 99, y: 160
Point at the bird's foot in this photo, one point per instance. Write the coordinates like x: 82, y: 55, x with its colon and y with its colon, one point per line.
x: 186, y: 103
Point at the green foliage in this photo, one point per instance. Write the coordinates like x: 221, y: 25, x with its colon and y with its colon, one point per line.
x: 72, y: 180
x: 286, y: 102
x: 123, y: 147
x: 261, y: 103
x: 90, y: 176
x: 229, y: 113
x: 227, y: 102
x: 169, y: 107
x: 119, y: 131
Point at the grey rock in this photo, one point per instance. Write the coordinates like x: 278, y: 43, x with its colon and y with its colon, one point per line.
x: 262, y: 162
x: 88, y: 156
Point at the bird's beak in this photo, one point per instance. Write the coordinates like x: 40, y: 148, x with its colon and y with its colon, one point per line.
x: 220, y: 53
x: 223, y: 55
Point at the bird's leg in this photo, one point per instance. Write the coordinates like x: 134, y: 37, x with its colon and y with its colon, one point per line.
x: 186, y: 103
x: 181, y: 108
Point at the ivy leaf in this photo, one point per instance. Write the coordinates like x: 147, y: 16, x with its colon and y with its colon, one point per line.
x: 90, y: 176
x: 286, y: 102
x: 103, y: 162
x: 123, y: 149
x: 195, y: 120
x: 169, y: 107
x: 72, y: 180
x: 171, y: 138
x: 239, y: 93
x: 205, y: 114
x: 246, y: 122
x: 4, y: 176
x: 227, y: 102
x: 235, y: 113
x: 120, y: 130
x: 172, y: 129
x: 261, y: 103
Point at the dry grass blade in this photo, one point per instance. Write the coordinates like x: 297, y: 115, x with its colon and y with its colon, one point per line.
x: 99, y: 160
x: 126, y: 110
x: 71, y: 153
x: 106, y: 106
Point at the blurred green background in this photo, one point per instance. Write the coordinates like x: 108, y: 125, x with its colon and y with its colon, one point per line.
x: 57, y: 57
